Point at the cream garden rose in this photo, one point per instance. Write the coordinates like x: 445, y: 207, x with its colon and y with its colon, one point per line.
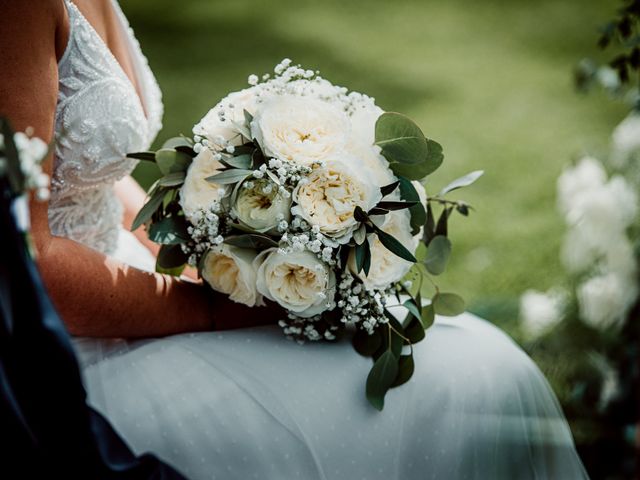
x: 387, y: 268
x: 220, y: 132
x: 230, y: 270
x: 330, y: 195
x: 261, y: 206
x: 197, y: 193
x: 299, y: 129
x: 298, y: 281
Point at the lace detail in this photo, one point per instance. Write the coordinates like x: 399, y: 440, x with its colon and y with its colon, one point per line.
x: 99, y: 119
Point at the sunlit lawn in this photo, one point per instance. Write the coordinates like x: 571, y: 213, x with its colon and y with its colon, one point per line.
x: 490, y: 80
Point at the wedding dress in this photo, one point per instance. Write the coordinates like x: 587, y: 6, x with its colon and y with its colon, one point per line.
x: 249, y: 403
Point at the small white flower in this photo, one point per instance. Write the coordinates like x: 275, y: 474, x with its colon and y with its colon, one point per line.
x: 252, y: 80
x: 539, y: 311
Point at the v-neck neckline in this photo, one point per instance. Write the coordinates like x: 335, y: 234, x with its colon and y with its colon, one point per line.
x: 122, y: 28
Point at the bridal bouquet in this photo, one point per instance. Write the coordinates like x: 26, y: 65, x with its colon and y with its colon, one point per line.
x: 298, y: 192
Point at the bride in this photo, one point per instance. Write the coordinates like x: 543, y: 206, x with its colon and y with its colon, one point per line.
x: 197, y: 381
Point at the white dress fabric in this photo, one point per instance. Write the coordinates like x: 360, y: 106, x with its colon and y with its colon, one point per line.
x: 250, y: 404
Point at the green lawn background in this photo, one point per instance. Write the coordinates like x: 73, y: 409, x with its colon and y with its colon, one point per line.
x: 490, y: 80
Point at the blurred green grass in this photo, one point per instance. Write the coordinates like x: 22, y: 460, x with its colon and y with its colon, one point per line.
x: 490, y: 80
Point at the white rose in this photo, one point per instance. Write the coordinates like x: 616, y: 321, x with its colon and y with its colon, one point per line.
x: 626, y: 138
x: 300, y: 130
x: 539, y: 311
x: 298, y: 281
x: 386, y: 267
x: 197, y: 193
x: 231, y: 270
x: 261, y: 206
x: 577, y: 181
x: 605, y: 300
x: 212, y: 127
x: 330, y: 195
x: 370, y: 159
x: 363, y: 122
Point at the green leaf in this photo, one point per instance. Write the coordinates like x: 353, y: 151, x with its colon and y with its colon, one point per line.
x: 381, y: 378
x: 149, y: 208
x: 428, y: 316
x: 360, y: 234
x: 363, y: 257
x: 172, y: 179
x: 233, y: 175
x: 400, y: 139
x: 406, y: 368
x: 414, y: 330
x: 442, y: 226
x: 174, y: 272
x: 387, y: 189
x: 418, y: 213
x: 429, y: 226
x: 170, y: 257
x: 169, y: 231
x: 448, y: 304
x: 438, y: 255
x: 146, y: 156
x: 175, y: 142
x: 359, y: 215
x: 248, y: 118
x: 394, y: 245
x: 430, y: 163
x: 251, y: 240
x: 366, y: 344
x: 241, y: 161
x: 465, y: 181
x: 396, y: 205
x: 170, y: 160
x: 413, y: 308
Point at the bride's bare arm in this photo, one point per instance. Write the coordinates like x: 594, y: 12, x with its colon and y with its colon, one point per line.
x: 96, y: 295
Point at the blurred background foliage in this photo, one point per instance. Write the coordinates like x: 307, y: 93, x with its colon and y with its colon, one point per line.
x: 490, y: 80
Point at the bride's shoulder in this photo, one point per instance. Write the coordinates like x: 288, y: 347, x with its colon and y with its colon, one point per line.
x: 24, y: 26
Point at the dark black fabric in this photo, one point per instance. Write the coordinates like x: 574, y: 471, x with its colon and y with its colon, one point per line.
x: 46, y: 428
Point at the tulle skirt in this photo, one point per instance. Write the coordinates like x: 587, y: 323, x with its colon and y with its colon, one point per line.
x: 250, y: 404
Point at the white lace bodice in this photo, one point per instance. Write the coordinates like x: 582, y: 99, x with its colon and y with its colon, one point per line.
x: 99, y: 119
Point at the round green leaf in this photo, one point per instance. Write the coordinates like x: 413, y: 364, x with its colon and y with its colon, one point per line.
x: 428, y: 165
x: 448, y: 304
x: 170, y: 160
x: 438, y: 254
x: 400, y: 139
x: 406, y: 367
x: 381, y: 377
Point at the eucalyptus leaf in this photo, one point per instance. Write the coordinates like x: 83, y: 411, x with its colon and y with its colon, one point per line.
x: 241, y: 161
x: 429, y: 227
x: 381, y: 378
x: 366, y: 344
x: 394, y: 245
x: 413, y: 308
x: 442, y: 228
x: 169, y: 231
x: 363, y: 256
x: 438, y: 255
x: 233, y: 175
x: 396, y: 205
x: 464, y: 181
x: 414, y: 330
x: 448, y: 304
x: 251, y: 240
x: 359, y: 215
x: 146, y: 156
x: 170, y: 257
x: 400, y: 139
x: 406, y: 367
x: 378, y: 211
x: 387, y: 189
x: 172, y: 179
x: 170, y: 160
x: 429, y: 164
x: 149, y: 208
x: 428, y: 316
x: 418, y: 213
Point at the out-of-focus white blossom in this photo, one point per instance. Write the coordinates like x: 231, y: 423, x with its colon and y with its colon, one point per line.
x: 605, y: 300
x: 540, y: 311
